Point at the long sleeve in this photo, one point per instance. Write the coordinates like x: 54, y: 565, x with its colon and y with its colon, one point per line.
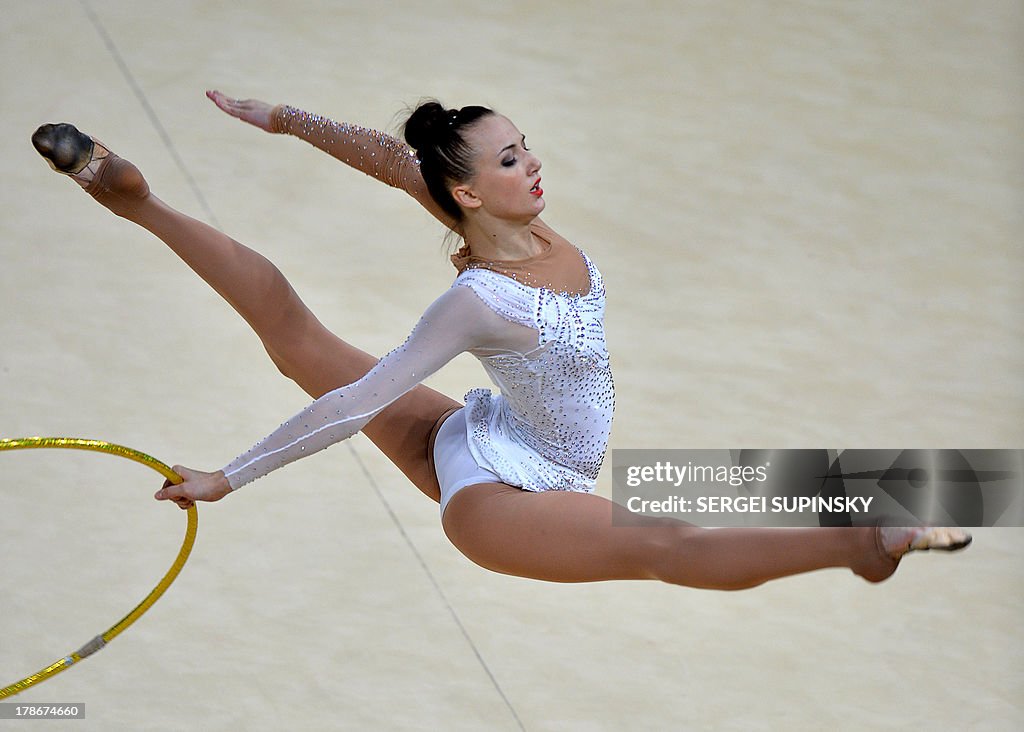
x: 457, y: 321
x: 375, y: 153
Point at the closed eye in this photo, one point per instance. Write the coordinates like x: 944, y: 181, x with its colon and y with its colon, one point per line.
x: 509, y: 162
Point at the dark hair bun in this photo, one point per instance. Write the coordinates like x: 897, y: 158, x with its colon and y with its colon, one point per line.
x: 427, y: 125
x: 446, y: 157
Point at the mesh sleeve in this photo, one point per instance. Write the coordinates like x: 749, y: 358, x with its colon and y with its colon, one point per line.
x: 375, y: 153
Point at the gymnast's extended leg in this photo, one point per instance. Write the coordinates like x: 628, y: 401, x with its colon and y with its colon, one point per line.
x: 579, y: 537
x: 301, y: 347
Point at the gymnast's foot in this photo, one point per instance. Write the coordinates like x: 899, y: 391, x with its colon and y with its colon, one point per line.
x: 893, y: 542
x: 111, y: 180
x: 896, y: 541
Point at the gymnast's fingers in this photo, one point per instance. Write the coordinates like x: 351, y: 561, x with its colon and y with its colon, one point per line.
x: 172, y: 492
x: 253, y: 111
x: 183, y: 502
x: 222, y: 101
x: 196, y: 486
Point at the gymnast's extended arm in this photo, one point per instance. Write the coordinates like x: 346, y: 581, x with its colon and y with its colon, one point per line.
x: 457, y: 321
x: 375, y: 153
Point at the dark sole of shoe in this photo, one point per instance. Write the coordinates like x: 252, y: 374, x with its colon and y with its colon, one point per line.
x: 65, y: 148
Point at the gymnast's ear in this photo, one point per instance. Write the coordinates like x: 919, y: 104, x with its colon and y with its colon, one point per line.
x: 465, y: 196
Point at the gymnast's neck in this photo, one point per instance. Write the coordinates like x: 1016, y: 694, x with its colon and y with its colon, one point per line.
x: 500, y: 239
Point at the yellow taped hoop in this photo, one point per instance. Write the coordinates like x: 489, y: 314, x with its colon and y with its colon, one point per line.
x: 74, y: 443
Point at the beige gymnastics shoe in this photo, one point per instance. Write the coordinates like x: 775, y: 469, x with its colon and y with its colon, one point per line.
x: 895, y: 541
x: 111, y: 180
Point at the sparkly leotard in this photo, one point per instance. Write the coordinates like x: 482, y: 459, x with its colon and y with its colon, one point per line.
x: 536, y: 326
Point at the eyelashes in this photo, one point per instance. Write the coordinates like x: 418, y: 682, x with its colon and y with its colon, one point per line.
x: 508, y: 163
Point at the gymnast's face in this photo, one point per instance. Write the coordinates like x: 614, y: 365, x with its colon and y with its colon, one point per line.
x: 506, y: 179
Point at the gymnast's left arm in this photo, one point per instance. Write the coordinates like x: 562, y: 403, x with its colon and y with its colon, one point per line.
x: 456, y: 322
x: 378, y: 154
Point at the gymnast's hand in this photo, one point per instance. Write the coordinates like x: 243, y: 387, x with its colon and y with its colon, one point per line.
x: 253, y: 111
x: 197, y: 486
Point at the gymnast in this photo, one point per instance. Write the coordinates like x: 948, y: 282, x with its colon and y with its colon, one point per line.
x: 514, y: 472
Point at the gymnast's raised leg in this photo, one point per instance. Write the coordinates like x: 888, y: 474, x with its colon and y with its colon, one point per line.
x: 563, y: 536
x: 301, y: 347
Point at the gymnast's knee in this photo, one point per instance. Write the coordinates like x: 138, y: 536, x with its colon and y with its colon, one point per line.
x: 661, y: 550
x: 680, y: 555
x: 288, y: 367
x: 284, y: 366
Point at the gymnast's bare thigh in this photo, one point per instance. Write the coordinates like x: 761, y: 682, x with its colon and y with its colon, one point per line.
x: 557, y: 536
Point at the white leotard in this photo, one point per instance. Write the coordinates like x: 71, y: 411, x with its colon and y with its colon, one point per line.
x: 548, y: 427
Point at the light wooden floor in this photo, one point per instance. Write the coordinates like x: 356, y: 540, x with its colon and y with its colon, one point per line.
x: 809, y: 217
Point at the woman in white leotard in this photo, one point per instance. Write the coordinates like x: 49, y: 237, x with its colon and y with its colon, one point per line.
x: 513, y: 471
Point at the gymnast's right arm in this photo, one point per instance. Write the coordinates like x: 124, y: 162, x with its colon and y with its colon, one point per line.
x: 375, y: 153
x: 457, y: 321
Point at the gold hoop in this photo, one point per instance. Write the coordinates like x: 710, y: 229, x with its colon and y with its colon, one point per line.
x: 75, y: 443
